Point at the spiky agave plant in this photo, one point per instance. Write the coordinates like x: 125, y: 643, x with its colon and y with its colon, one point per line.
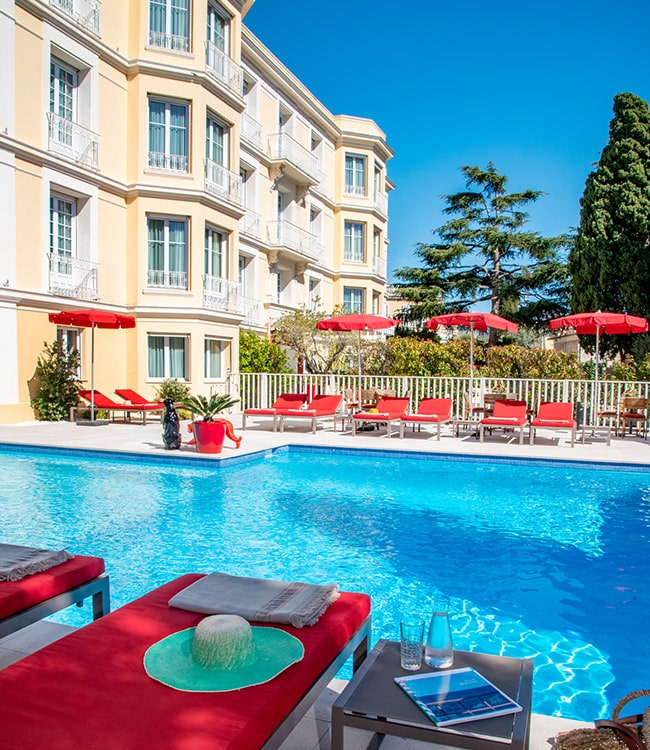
x: 209, y: 406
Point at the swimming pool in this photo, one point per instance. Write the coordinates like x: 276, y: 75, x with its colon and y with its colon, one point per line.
x: 541, y: 559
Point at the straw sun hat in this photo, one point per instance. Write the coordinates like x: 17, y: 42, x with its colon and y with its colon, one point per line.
x: 222, y: 653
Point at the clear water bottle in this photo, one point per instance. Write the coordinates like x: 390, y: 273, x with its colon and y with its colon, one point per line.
x: 439, y: 650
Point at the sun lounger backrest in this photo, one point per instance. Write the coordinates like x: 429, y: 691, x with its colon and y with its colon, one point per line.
x: 101, y: 401
x: 509, y: 409
x: 439, y: 406
x: 289, y: 401
x: 130, y: 395
x: 393, y: 406
x: 323, y: 403
x: 556, y: 410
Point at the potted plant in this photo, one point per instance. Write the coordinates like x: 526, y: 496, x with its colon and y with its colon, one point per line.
x: 209, y: 430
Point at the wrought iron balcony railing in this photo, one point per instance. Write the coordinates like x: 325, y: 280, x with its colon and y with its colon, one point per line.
x: 220, y: 294
x: 221, y: 181
x: 251, y: 309
x: 284, y: 148
x: 251, y: 130
x: 86, y: 13
x: 73, y: 141
x: 381, y: 203
x: 222, y: 67
x: 379, y: 266
x: 284, y: 234
x: 166, y: 279
x: 251, y: 224
x: 175, y: 42
x: 173, y: 163
x: 73, y: 277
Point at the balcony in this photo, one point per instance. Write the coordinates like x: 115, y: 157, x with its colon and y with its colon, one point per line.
x: 174, y: 42
x: 73, y: 277
x: 222, y: 67
x: 379, y: 266
x: 251, y: 224
x: 380, y: 202
x: 251, y: 309
x: 220, y: 294
x: 222, y: 182
x: 287, y: 235
x: 170, y: 163
x: 86, y: 13
x: 251, y: 131
x: 166, y: 279
x: 296, y: 162
x: 72, y: 141
x: 321, y: 186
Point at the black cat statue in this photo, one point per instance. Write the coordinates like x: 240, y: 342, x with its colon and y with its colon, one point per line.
x: 171, y: 426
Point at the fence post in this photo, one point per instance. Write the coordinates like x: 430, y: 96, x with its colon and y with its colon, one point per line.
x: 264, y: 390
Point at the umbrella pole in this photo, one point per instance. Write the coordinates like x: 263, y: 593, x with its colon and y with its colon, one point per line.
x: 359, y: 355
x: 594, y: 400
x: 471, y: 366
x: 92, y: 373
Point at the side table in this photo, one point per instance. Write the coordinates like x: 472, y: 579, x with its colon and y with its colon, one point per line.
x: 373, y: 702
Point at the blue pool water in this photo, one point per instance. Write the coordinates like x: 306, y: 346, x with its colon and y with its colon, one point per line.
x: 545, y: 560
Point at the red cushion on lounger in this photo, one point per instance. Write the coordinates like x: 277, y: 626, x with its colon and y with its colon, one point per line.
x: 90, y: 690
x: 18, y: 595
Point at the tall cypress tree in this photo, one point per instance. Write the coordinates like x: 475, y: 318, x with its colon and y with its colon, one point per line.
x: 610, y: 262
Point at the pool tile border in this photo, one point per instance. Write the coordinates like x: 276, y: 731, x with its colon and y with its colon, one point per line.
x: 218, y: 462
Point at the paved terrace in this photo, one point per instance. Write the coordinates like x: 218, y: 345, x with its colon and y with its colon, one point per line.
x: 313, y: 732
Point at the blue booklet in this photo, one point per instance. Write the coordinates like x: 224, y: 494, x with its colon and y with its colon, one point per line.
x: 456, y: 695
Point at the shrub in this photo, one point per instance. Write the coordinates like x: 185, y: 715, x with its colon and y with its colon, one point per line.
x: 257, y: 354
x: 57, y: 383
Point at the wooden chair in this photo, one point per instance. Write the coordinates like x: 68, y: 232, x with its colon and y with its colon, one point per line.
x: 633, y: 414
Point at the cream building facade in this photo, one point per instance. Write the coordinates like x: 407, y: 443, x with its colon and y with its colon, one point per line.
x: 157, y: 160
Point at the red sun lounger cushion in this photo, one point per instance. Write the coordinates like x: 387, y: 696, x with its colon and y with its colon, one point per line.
x: 90, y: 690
x: 18, y: 595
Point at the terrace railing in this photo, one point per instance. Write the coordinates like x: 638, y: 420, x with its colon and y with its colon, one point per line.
x: 258, y: 390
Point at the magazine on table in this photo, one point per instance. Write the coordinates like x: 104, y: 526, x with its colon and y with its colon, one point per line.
x: 456, y: 695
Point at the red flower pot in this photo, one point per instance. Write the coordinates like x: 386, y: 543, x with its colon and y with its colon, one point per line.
x: 209, y: 436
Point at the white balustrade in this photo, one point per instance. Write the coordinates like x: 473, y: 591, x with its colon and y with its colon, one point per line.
x: 282, y: 147
x: 220, y: 294
x: 168, y: 162
x: 251, y: 130
x: 86, y: 13
x: 166, y: 279
x: 284, y: 234
x: 73, y: 277
x: 73, y: 141
x: 223, y: 182
x: 222, y: 67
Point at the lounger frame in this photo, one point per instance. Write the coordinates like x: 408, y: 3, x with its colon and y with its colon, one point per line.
x: 357, y: 647
x: 98, y: 588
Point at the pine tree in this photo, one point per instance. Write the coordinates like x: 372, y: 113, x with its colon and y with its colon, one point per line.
x: 610, y: 263
x: 485, y: 255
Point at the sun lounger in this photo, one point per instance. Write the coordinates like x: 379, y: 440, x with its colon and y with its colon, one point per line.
x: 283, y: 401
x: 90, y: 690
x: 104, y: 403
x: 41, y: 594
x: 388, y: 410
x: 556, y: 415
x: 318, y: 408
x: 506, y: 414
x: 435, y: 411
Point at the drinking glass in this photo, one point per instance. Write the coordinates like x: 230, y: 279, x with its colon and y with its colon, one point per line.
x: 411, y: 630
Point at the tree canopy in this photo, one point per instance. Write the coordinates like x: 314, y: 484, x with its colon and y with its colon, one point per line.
x: 484, y: 254
x: 610, y: 263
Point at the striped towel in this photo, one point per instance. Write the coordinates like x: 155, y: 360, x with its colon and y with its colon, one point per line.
x: 257, y: 599
x: 16, y: 562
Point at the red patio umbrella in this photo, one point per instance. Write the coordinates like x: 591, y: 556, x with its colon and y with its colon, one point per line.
x: 90, y: 318
x: 597, y: 323
x: 356, y: 322
x: 475, y: 321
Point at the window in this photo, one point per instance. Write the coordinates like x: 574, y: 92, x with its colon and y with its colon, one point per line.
x: 63, y: 102
x: 352, y: 299
x: 215, y: 252
x: 376, y: 243
x: 63, y: 212
x: 213, y: 360
x: 63, y: 90
x: 70, y: 340
x: 354, y: 242
x: 377, y: 185
x: 169, y: 24
x: 167, y: 357
x: 376, y: 298
x: 215, y: 138
x: 313, y: 293
x: 167, y: 253
x: 168, y: 131
x: 218, y: 27
x: 355, y: 174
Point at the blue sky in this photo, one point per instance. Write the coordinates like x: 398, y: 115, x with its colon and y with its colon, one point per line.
x: 527, y: 85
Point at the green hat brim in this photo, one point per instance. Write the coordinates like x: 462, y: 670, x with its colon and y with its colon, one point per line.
x: 170, y: 661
